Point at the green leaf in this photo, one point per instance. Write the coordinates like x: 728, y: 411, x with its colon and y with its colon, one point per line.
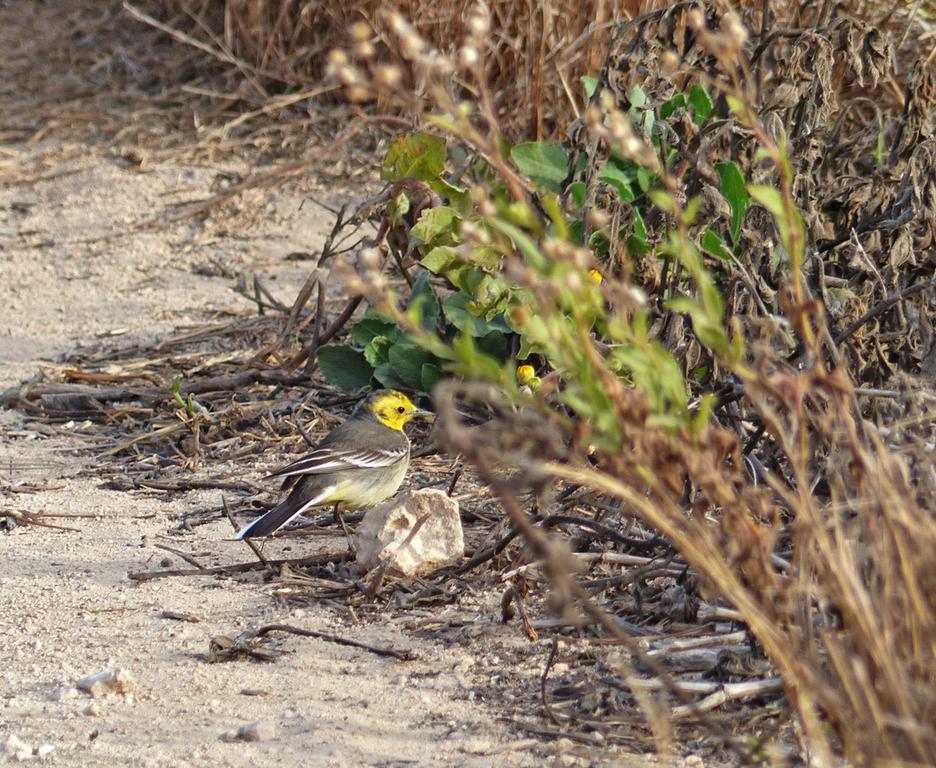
x: 645, y: 179
x: 701, y: 103
x: 640, y: 229
x: 387, y: 376
x: 770, y: 198
x: 494, y: 344
x: 544, y: 163
x: 691, y: 210
x: 436, y: 226
x: 439, y: 260
x: 524, y: 243
x: 705, y: 323
x: 414, y: 156
x: 407, y: 361
x: 377, y: 350
x: 589, y: 84
x: 370, y: 326
x: 423, y: 303
x: 620, y: 179
x: 344, y: 366
x: 669, y: 107
x: 712, y: 243
x: 431, y: 375
x: 578, y: 189
x: 732, y: 187
x: 458, y: 198
x: 637, y: 97
x: 459, y: 313
x: 638, y: 242
x: 662, y: 200
x: 398, y: 207
x: 648, y: 122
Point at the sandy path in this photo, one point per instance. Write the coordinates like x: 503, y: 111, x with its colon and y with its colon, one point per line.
x: 67, y: 608
x: 76, y: 270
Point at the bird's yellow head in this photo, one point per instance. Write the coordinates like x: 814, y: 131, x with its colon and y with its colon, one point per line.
x: 391, y: 408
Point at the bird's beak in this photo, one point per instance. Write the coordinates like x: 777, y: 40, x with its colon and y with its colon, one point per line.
x: 424, y: 413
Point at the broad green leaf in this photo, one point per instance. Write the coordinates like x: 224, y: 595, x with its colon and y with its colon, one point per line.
x: 708, y: 328
x: 472, y: 362
x: 732, y: 187
x: 377, y: 350
x: 386, y: 374
x: 544, y: 163
x: 494, y: 344
x: 524, y: 243
x: 407, y: 361
x: 645, y: 179
x: 638, y: 242
x: 770, y: 198
x: 578, y: 189
x: 669, y: 107
x: 441, y: 259
x: 370, y: 326
x: 619, y: 178
x: 436, y: 226
x: 637, y: 97
x: 431, y: 375
x: 458, y: 311
x: 423, y: 304
x: 589, y: 84
x: 640, y: 229
x: 662, y: 200
x: 486, y: 257
x: 648, y: 122
x: 691, y: 210
x: 712, y: 243
x: 414, y: 156
x: 701, y: 103
x: 458, y: 198
x: 398, y: 207
x: 344, y: 366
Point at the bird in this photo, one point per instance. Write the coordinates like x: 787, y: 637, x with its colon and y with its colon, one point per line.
x: 360, y: 463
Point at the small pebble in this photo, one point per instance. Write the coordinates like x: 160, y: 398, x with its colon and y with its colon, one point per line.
x: 16, y: 748
x: 113, y: 681
x: 259, y: 730
x: 65, y: 693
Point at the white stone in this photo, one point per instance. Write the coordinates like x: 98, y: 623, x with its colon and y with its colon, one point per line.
x: 16, y: 748
x: 437, y: 544
x: 113, y: 681
x: 259, y: 730
x: 65, y: 693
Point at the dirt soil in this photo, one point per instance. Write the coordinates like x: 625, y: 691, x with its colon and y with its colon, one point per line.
x: 76, y: 269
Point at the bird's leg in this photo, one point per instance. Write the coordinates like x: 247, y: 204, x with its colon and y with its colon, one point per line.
x: 344, y: 526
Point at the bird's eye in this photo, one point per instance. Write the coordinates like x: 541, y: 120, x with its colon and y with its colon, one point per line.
x: 400, y: 409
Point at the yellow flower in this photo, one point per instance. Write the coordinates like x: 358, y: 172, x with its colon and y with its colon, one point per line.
x: 526, y: 376
x: 595, y: 275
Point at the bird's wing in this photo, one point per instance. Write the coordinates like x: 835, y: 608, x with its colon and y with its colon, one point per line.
x: 333, y: 459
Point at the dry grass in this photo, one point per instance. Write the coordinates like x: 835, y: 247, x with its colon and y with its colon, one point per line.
x: 535, y: 53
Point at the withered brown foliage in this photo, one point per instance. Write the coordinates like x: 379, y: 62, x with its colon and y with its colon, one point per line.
x: 808, y: 503
x: 536, y: 53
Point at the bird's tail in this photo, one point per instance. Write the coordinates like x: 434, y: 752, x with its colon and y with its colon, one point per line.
x: 282, y: 514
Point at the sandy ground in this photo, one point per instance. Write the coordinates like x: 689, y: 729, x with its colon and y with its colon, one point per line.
x: 77, y: 270
x: 67, y: 608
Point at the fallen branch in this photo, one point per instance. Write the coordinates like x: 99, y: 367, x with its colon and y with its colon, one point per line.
x: 228, y: 570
